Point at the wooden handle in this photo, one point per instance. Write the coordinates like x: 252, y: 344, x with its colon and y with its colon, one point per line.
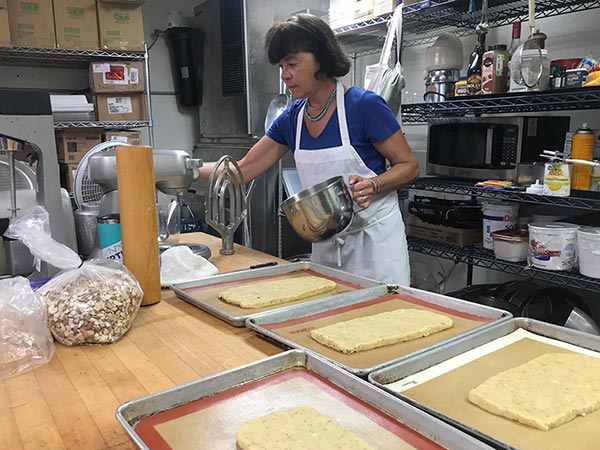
x: 139, y: 228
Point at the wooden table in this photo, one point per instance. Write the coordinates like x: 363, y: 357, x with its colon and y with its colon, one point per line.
x: 70, y: 402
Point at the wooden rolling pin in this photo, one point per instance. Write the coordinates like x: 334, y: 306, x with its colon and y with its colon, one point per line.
x: 139, y: 228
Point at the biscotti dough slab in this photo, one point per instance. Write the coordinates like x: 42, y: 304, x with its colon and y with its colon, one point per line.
x: 545, y: 392
x: 295, y: 429
x: 259, y: 294
x: 381, y: 329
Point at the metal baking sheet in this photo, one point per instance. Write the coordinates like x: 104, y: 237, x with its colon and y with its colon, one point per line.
x: 292, y: 326
x: 207, y: 413
x: 427, y: 373
x: 203, y: 293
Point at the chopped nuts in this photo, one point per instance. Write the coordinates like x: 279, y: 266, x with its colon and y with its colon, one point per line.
x: 92, y: 305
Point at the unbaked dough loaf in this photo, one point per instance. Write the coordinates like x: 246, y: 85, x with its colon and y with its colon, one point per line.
x: 544, y: 393
x: 259, y: 294
x: 386, y: 328
x: 295, y: 429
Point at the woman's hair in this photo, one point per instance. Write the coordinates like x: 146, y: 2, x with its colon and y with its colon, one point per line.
x: 307, y: 33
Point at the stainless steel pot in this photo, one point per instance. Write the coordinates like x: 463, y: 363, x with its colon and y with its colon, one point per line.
x: 439, y: 85
x: 321, y: 211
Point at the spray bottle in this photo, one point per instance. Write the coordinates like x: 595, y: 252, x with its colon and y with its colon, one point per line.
x: 582, y: 147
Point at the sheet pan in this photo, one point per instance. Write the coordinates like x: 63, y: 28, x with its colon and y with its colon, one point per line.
x: 438, y: 381
x: 207, y: 413
x: 203, y: 293
x: 292, y: 326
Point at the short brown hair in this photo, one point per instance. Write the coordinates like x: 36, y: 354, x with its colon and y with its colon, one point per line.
x: 307, y: 33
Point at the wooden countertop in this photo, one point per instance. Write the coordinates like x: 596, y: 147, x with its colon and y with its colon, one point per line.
x: 70, y: 402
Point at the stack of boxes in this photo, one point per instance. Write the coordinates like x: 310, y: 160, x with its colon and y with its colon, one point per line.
x: 72, y: 24
x: 348, y: 12
x: 118, y: 89
x: 71, y: 146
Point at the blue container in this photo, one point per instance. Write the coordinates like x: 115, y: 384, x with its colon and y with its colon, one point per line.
x: 109, y: 235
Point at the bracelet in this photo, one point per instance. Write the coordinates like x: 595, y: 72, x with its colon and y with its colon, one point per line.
x: 376, y: 184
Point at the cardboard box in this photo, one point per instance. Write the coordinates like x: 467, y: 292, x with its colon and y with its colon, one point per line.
x: 4, y: 25
x: 120, y: 26
x: 31, y: 23
x: 347, y: 12
x: 72, y: 144
x: 130, y: 137
x: 415, y: 227
x: 76, y: 24
x: 67, y: 176
x: 121, y: 76
x: 126, y: 107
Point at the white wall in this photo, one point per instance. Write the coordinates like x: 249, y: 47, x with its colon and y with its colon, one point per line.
x: 174, y: 127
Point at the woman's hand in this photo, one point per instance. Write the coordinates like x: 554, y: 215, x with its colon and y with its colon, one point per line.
x: 362, y: 189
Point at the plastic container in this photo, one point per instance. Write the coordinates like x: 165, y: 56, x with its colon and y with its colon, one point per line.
x: 557, y: 179
x: 588, y: 245
x: 553, y: 246
x: 494, y: 73
x: 498, y: 216
x: 511, y: 245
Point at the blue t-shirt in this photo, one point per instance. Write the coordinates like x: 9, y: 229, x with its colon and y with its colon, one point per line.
x: 369, y: 120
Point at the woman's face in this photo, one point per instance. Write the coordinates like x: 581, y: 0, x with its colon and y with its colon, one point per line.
x: 298, y: 73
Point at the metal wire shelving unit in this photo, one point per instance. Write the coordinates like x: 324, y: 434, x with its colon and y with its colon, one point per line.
x: 80, y: 59
x: 554, y: 100
x: 579, y: 199
x: 481, y: 257
x: 95, y: 124
x: 424, y: 21
x: 59, y: 57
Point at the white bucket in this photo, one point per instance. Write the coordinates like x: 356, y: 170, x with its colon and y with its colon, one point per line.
x: 588, y: 244
x: 498, y: 216
x: 553, y: 246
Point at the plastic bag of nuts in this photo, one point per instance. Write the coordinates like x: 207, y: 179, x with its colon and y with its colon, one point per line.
x: 94, y: 304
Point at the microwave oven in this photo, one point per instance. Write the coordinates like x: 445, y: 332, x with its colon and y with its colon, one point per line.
x: 485, y: 148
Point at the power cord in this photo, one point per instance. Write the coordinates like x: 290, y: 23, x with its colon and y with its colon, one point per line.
x: 156, y: 33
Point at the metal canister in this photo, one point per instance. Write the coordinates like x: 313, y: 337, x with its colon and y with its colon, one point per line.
x: 109, y: 236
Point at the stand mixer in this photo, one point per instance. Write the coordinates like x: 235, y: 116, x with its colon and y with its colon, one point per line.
x: 173, y: 175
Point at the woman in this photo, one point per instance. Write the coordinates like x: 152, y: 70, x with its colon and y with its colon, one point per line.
x: 337, y: 130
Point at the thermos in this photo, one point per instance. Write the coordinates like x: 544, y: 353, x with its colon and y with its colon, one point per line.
x: 582, y: 147
x: 109, y: 235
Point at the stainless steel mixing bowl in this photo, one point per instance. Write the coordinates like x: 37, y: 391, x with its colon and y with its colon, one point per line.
x: 320, y: 211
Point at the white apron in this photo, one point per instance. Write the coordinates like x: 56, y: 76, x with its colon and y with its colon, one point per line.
x: 374, y: 245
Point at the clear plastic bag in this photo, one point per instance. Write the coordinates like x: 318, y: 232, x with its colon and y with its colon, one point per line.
x: 25, y: 339
x: 32, y: 227
x: 94, y: 304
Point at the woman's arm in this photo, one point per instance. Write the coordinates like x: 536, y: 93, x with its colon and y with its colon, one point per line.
x: 259, y: 158
x: 403, y: 171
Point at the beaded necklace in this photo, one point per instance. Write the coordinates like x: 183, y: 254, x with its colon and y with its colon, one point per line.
x: 323, y: 112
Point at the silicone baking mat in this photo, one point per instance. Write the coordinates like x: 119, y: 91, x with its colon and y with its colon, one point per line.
x: 298, y: 330
x: 212, y: 422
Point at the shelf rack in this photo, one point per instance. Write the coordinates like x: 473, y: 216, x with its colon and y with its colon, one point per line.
x: 424, y: 21
x: 554, y: 100
x: 95, y: 124
x: 59, y: 57
x: 80, y: 59
x: 481, y: 257
x: 578, y: 199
